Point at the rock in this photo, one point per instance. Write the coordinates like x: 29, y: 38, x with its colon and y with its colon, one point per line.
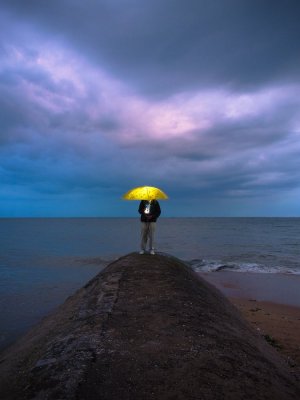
x: 145, y: 328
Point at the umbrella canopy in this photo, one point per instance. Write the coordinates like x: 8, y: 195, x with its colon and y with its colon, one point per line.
x: 145, y: 193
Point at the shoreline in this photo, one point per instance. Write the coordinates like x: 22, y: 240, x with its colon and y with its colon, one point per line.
x: 274, y: 288
x: 270, y: 304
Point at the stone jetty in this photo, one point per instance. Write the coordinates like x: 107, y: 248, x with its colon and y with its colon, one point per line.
x: 144, y: 328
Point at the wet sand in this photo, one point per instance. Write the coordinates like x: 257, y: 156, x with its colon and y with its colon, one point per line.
x: 275, y: 288
x: 270, y: 303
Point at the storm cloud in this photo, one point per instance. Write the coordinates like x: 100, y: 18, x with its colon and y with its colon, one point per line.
x: 200, y: 98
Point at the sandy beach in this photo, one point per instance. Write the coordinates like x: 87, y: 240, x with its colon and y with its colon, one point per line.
x: 270, y: 303
x: 279, y: 323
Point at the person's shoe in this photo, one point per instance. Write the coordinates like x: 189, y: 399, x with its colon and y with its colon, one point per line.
x: 142, y: 252
x: 152, y: 252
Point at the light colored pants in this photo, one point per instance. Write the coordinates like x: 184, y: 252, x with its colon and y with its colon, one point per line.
x: 147, y: 233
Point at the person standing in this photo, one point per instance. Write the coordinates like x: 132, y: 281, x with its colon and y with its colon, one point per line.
x: 150, y: 211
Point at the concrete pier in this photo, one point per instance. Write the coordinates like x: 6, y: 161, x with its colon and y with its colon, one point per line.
x: 145, y: 328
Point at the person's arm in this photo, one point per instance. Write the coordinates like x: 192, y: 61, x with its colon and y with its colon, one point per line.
x: 142, y: 207
x: 157, y: 210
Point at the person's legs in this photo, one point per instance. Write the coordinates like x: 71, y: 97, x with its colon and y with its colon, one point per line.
x: 152, y: 227
x: 144, y: 235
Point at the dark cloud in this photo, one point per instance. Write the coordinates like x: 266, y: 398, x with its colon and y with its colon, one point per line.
x: 162, y: 47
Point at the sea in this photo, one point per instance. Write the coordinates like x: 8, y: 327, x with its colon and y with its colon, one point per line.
x: 45, y: 260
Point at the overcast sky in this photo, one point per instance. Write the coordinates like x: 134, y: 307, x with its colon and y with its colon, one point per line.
x: 198, y: 97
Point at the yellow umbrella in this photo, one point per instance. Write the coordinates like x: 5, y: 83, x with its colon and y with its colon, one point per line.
x: 145, y: 193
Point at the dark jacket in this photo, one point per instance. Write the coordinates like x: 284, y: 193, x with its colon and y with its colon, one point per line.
x: 154, y: 211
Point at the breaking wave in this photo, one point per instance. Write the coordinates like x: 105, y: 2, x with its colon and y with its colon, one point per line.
x: 202, y: 265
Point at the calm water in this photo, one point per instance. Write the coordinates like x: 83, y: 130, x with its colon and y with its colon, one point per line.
x: 43, y: 261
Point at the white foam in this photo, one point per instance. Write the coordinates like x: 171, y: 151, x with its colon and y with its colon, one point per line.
x: 202, y: 265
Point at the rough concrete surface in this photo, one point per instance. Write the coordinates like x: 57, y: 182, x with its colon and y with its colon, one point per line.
x: 145, y: 328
